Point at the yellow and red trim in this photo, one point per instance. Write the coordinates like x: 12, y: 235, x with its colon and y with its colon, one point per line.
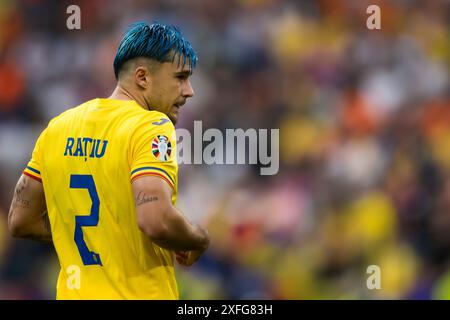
x: 32, y: 173
x: 153, y: 171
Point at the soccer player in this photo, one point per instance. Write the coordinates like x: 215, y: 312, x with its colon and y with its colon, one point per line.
x: 102, y: 181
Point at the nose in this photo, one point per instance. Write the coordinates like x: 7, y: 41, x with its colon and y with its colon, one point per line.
x: 188, y: 92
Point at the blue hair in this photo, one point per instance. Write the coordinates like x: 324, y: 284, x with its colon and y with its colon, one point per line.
x: 156, y: 41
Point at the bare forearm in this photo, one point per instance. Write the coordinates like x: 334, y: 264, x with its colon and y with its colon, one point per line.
x: 38, y: 230
x: 180, y: 234
x: 28, y: 216
x: 41, y: 231
x: 161, y: 221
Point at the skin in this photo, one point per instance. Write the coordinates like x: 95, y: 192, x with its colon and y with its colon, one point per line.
x: 164, y: 87
x: 28, y: 216
x: 165, y: 224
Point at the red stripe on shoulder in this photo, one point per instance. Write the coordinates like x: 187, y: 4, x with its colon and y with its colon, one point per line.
x: 31, y: 176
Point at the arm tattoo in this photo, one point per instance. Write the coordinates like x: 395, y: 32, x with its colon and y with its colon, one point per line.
x: 19, y: 200
x: 32, y: 225
x: 142, y: 198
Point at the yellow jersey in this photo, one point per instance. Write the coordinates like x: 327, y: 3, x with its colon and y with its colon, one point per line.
x: 86, y: 159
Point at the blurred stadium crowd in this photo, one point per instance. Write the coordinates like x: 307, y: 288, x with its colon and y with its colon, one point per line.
x: 364, y: 119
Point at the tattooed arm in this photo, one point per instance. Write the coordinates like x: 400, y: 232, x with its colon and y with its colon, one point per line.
x: 28, y: 216
x: 161, y: 221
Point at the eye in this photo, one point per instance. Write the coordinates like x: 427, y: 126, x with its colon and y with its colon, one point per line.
x: 182, y: 76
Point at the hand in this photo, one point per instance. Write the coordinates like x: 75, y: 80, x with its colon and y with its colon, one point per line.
x: 187, y: 258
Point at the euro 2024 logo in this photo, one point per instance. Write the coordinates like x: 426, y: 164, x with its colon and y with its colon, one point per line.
x: 161, y: 148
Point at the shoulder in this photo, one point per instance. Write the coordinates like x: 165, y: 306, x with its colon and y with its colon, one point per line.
x: 153, y: 121
x: 55, y: 123
x: 153, y: 126
x: 68, y: 114
x: 156, y: 118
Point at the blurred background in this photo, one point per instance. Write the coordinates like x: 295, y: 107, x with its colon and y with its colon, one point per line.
x: 364, y: 119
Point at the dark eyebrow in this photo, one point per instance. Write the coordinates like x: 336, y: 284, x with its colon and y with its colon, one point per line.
x: 183, y: 73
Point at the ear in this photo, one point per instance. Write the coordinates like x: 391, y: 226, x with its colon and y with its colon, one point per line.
x: 142, y: 77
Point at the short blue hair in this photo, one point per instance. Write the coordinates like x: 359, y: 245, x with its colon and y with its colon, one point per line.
x: 156, y: 41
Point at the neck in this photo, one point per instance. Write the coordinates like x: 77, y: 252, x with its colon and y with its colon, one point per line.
x: 121, y: 93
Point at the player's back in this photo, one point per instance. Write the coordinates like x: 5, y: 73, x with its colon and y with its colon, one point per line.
x: 86, y: 157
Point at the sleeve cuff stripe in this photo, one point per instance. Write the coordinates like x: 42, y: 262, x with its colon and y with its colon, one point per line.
x: 152, y: 168
x: 34, y: 170
x: 32, y: 176
x: 153, y: 174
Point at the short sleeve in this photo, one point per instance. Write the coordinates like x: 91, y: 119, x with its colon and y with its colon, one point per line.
x: 153, y: 150
x: 33, y: 168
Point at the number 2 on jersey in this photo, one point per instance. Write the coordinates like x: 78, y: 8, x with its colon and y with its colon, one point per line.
x: 79, y: 181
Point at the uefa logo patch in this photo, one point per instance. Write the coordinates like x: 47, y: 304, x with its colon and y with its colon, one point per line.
x: 161, y: 148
